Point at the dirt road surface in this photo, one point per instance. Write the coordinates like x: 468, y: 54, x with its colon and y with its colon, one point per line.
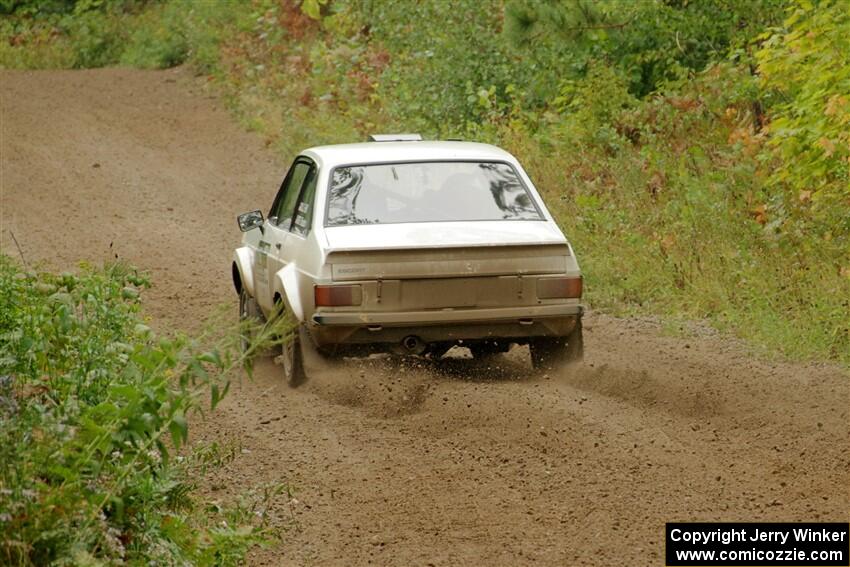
x: 394, y: 463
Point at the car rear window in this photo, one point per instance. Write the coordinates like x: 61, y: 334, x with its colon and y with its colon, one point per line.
x: 427, y: 192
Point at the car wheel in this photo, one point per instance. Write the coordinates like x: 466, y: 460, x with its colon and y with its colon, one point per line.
x: 250, y: 317
x: 548, y: 352
x: 292, y: 360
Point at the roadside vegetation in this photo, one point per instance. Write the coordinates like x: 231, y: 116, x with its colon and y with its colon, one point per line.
x: 93, y: 425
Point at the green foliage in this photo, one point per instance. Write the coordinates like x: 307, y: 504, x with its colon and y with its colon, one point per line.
x: 313, y: 8
x: 97, y: 33
x: 591, y: 108
x: 672, y: 221
x: 179, y: 31
x: 36, y: 7
x: 449, y: 65
x: 96, y: 38
x: 648, y: 41
x: 93, y: 413
x: 87, y: 36
x: 805, y: 70
x: 158, y: 40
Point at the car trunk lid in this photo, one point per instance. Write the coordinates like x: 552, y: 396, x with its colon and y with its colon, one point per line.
x: 435, y: 250
x: 441, y: 234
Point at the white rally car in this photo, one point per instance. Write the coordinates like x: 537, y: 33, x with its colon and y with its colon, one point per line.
x: 404, y: 245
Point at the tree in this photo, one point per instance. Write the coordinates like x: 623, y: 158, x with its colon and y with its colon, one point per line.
x: 649, y: 41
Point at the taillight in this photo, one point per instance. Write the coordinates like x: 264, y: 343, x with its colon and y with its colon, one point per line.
x: 338, y: 295
x: 559, y: 288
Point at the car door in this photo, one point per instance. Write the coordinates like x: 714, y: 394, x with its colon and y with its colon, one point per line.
x: 302, y: 219
x: 277, y: 236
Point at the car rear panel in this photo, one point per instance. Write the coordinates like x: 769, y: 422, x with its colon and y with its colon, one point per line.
x: 449, y: 278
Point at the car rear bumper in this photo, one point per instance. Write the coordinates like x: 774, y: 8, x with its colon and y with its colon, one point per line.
x: 509, y: 324
x: 447, y: 316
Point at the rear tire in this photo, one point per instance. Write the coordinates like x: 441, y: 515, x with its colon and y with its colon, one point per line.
x: 549, y: 352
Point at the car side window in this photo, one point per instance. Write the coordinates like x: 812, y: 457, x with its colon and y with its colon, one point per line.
x: 284, y: 204
x: 304, y: 210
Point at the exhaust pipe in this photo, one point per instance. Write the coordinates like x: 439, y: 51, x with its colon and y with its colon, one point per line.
x: 413, y: 344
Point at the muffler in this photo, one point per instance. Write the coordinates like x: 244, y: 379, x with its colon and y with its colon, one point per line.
x: 413, y: 344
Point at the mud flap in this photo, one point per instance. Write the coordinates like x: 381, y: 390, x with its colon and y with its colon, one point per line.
x: 314, y: 362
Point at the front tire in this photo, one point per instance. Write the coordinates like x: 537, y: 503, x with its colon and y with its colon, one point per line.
x: 549, y: 352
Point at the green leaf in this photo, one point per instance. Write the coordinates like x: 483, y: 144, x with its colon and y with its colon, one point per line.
x: 179, y: 429
x: 313, y: 8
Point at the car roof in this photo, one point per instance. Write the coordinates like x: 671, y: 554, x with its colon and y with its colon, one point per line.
x: 382, y: 152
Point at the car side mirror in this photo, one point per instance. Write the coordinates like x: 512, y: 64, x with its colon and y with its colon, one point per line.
x: 250, y: 221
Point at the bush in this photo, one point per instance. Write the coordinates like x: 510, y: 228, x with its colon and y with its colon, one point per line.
x: 180, y: 31
x: 88, y: 34
x: 649, y: 42
x: 672, y: 220
x: 804, y: 67
x: 93, y: 413
x: 95, y: 33
x: 158, y: 40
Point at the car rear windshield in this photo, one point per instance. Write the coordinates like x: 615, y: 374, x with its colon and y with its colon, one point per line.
x: 427, y: 192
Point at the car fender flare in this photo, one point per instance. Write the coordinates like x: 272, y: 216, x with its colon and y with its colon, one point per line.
x: 243, y: 259
x: 286, y: 285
